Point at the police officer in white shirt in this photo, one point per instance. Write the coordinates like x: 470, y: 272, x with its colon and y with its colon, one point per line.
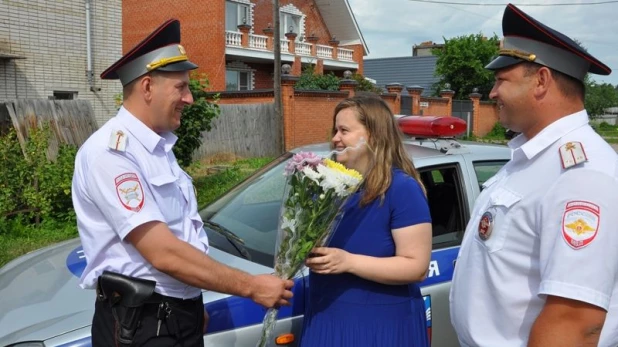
x: 137, y: 216
x: 538, y: 264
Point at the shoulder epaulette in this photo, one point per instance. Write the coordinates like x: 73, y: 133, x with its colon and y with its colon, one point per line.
x: 118, y: 140
x: 571, y: 154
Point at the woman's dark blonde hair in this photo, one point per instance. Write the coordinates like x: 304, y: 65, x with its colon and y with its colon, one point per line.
x: 385, y: 145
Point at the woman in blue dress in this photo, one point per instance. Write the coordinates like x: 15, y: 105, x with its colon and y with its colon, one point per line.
x: 363, y: 287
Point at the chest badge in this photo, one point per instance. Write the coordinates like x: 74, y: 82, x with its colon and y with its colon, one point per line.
x: 486, y: 225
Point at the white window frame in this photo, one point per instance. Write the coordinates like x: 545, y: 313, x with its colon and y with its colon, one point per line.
x: 241, y: 67
x: 290, y: 10
x: 240, y: 15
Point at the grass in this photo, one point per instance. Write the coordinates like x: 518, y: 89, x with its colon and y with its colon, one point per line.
x: 211, y: 177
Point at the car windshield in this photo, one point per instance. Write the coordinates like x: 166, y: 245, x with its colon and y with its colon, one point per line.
x: 250, y: 211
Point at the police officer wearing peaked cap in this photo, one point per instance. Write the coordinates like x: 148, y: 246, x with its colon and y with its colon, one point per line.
x: 137, y: 215
x: 538, y: 264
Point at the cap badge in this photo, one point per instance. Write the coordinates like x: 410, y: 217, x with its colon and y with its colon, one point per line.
x: 486, y: 225
x: 518, y: 54
x: 181, y: 49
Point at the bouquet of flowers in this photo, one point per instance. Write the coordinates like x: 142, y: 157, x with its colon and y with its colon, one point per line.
x: 317, y: 189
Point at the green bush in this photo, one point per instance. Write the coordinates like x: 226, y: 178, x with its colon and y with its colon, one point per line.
x: 33, y: 187
x: 497, y: 132
x: 309, y: 80
x: 364, y: 85
x: 606, y: 126
x: 196, y: 118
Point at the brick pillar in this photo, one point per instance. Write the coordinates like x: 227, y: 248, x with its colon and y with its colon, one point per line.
x: 476, y: 111
x: 244, y: 29
x: 313, y: 40
x: 319, y: 67
x: 348, y: 85
x: 448, y: 94
x: 395, y: 88
x: 334, y: 43
x: 287, y: 100
x: 415, y: 92
x: 270, y: 44
x: 292, y: 38
x: 296, y: 67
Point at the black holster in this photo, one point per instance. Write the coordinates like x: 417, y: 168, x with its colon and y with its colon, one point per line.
x: 126, y: 296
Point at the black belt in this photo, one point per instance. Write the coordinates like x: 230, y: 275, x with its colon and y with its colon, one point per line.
x: 157, y: 298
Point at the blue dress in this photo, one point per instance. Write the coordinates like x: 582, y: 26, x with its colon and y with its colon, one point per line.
x: 346, y: 310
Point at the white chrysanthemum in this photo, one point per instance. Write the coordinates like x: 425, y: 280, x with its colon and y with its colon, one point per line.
x: 312, y: 174
x: 288, y: 224
x: 332, y: 181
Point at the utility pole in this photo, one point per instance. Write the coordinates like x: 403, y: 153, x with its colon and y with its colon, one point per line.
x: 277, y: 72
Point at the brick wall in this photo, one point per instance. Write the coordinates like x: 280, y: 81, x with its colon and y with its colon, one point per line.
x: 313, y: 117
x: 358, y: 55
x: 437, y: 107
x: 51, y: 36
x: 202, y: 27
x: 487, y: 118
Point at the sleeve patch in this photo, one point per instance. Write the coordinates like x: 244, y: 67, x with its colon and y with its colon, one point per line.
x: 129, y: 191
x: 580, y: 223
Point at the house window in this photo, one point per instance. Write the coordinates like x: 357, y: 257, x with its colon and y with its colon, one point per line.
x: 289, y: 23
x: 237, y: 80
x: 63, y: 95
x: 236, y: 13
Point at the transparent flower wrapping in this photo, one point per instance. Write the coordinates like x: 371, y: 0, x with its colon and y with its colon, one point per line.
x: 317, y: 188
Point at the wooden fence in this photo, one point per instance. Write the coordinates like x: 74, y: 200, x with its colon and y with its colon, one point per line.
x: 249, y: 130
x: 70, y: 121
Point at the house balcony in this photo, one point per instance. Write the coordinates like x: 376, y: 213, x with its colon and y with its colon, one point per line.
x: 259, y: 48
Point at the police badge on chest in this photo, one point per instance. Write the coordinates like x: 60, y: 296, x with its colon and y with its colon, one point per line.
x: 486, y: 225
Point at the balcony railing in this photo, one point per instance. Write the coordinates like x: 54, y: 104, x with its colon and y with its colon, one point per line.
x: 258, y: 41
x: 324, y: 51
x: 285, y: 45
x: 233, y: 38
x: 302, y: 48
x: 345, y: 54
x: 264, y: 43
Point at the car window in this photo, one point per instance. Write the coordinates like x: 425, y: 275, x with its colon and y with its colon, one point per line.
x: 487, y: 169
x: 446, y: 204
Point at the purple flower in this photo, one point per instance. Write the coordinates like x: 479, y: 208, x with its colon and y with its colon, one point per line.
x: 300, y: 160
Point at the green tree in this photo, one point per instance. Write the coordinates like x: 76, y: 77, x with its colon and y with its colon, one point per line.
x: 599, y: 97
x: 196, y: 118
x: 461, y: 63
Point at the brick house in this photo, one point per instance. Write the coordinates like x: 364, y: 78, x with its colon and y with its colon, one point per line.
x: 57, y: 49
x: 232, y: 40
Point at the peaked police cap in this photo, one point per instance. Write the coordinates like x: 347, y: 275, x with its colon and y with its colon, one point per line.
x: 160, y: 51
x: 528, y: 40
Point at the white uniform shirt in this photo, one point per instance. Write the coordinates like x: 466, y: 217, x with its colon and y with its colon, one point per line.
x: 116, y: 189
x: 554, y: 231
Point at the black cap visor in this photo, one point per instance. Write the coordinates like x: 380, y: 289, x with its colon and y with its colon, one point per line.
x: 179, y: 66
x: 502, y: 62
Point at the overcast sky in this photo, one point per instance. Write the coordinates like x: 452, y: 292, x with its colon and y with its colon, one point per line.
x: 391, y: 27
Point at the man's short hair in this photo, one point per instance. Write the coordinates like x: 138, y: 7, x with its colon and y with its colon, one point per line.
x: 570, y: 87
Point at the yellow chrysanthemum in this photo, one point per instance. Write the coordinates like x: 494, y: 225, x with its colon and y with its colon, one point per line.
x: 339, y: 167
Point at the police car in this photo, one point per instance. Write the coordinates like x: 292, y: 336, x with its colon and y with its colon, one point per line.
x: 41, y: 303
